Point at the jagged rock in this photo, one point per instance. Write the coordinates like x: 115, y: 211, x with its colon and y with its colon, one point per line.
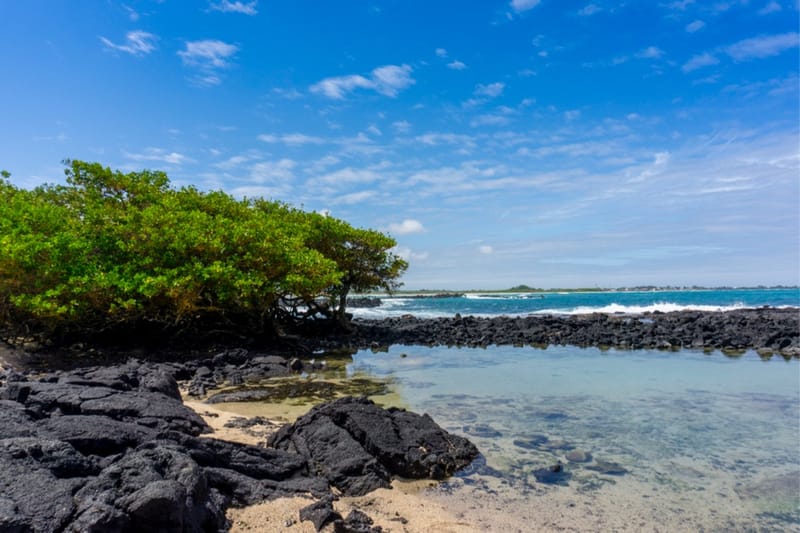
x: 356, y: 522
x: 320, y: 513
x: 358, y: 446
x: 113, y: 449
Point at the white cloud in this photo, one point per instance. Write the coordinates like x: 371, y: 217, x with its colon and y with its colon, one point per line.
x: 456, y: 65
x: 407, y: 227
x: 211, y: 54
x: 572, y: 114
x: 289, y: 94
x: 491, y: 90
x: 408, y: 254
x: 291, y: 139
x: 523, y: 5
x: 137, y: 43
x: 233, y: 161
x: 226, y: 6
x: 388, y: 80
x: 699, y: 61
x: 772, y: 7
x: 763, y: 46
x: 436, y: 139
x: 354, y: 197
x: 271, y: 171
x: 681, y: 5
x: 651, y: 52
x: 391, y: 79
x: 256, y: 191
x: 441, y: 52
x: 486, y: 249
x: 695, y: 25
x: 401, y: 126
x: 491, y: 119
x: 159, y: 155
x: 337, y: 87
x: 132, y: 13
x: 589, y: 10
x: 349, y: 175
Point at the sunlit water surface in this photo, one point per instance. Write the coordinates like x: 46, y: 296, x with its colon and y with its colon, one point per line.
x: 649, y: 440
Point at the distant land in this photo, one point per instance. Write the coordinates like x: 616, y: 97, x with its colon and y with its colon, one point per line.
x: 642, y: 288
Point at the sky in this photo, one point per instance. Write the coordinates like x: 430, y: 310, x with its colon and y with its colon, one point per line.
x: 539, y: 142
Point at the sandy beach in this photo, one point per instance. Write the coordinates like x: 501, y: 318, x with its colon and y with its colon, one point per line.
x: 399, y: 509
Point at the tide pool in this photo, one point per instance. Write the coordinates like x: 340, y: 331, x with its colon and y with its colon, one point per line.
x: 646, y: 440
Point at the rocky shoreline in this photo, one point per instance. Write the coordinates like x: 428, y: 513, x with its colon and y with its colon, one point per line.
x: 115, y: 449
x: 766, y: 330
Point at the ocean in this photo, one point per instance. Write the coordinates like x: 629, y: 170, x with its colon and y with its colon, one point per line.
x: 513, y: 304
x: 647, y: 440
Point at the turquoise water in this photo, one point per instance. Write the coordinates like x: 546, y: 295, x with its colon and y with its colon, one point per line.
x: 681, y: 441
x: 487, y: 304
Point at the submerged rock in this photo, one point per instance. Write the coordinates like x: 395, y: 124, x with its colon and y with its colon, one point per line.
x: 552, y: 475
x: 578, y: 456
x: 608, y: 467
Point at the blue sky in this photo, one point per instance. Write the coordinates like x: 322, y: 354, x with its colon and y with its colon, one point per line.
x: 555, y: 144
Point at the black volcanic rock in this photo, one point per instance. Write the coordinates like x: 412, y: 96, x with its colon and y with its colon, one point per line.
x: 114, y: 449
x: 769, y: 330
x: 358, y: 446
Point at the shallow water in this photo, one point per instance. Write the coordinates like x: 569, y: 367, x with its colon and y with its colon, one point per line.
x: 673, y: 441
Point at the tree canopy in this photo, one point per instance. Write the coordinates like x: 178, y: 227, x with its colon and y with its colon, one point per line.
x: 114, y: 251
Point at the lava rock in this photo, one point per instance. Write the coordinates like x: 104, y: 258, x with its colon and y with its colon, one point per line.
x: 358, y: 446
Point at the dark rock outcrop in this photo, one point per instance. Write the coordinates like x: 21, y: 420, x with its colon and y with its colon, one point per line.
x: 768, y: 330
x: 358, y: 446
x: 115, y: 449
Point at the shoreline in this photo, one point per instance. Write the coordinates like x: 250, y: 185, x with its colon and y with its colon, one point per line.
x: 407, y: 506
x: 766, y: 330
x: 401, y: 508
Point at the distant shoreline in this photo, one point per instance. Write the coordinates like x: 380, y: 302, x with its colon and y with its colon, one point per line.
x: 446, y: 293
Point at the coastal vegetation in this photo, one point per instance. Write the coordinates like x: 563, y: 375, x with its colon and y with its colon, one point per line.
x: 112, y: 253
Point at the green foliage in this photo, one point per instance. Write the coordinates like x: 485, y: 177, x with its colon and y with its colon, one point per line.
x: 112, y: 250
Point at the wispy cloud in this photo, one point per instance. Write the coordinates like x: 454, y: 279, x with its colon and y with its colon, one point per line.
x: 209, y: 57
x: 291, y: 139
x: 747, y: 49
x: 763, y: 46
x: 772, y: 7
x: 354, y: 197
x: 456, y: 65
x: 436, y: 139
x: 273, y: 171
x: 490, y: 90
x: 387, y: 80
x: 441, y: 52
x: 137, y: 43
x: 489, y: 119
x: 406, y: 227
x: 699, y: 61
x: 589, y: 10
x: 226, y: 6
x: 695, y: 26
x: 159, y: 155
x: 523, y: 5
x: 133, y: 15
x: 401, y: 126
x: 651, y: 52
